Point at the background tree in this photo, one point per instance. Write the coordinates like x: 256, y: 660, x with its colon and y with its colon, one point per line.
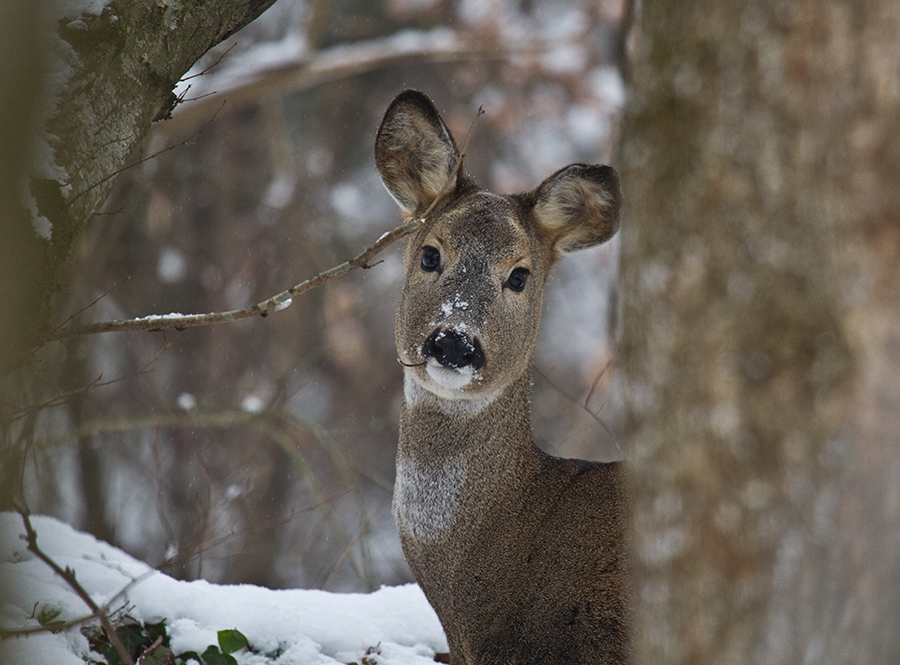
x: 761, y: 332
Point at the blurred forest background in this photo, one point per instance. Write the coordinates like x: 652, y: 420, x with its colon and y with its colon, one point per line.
x: 754, y: 389
x: 262, y: 451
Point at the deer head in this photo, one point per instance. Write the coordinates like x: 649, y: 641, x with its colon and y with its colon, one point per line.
x: 476, y: 268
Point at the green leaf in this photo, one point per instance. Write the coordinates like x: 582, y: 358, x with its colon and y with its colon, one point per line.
x: 48, y: 615
x: 133, y: 638
x: 54, y: 626
x: 183, y: 658
x: 231, y: 640
x: 155, y: 631
x: 212, y: 656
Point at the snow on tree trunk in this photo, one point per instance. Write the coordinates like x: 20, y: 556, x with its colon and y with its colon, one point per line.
x: 761, y: 331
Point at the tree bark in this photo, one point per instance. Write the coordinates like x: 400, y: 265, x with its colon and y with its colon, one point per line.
x: 761, y: 331
x: 127, y: 60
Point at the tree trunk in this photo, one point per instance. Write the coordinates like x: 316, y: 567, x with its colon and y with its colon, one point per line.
x: 761, y: 331
x: 117, y: 79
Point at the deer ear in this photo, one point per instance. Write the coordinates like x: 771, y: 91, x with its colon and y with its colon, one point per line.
x: 578, y: 206
x: 415, y: 154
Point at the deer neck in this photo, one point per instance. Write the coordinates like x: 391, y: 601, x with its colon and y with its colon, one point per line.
x: 447, y: 448
x: 434, y: 430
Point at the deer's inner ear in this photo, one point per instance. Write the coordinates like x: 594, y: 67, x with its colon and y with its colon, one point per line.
x: 578, y: 206
x: 415, y: 153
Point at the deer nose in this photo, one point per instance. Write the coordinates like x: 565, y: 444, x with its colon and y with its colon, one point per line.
x: 454, y: 349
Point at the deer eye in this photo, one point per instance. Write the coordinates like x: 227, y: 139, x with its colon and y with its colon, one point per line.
x: 517, y: 279
x: 431, y: 259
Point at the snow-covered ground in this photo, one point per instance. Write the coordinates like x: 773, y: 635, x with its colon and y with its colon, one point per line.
x: 300, y: 626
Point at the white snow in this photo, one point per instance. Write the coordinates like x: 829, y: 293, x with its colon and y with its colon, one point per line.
x: 280, y: 191
x: 606, y: 83
x: 448, y: 306
x: 252, y: 404
x: 296, y: 626
x: 162, y: 317
x: 171, y: 266
x: 284, y: 304
x: 187, y: 402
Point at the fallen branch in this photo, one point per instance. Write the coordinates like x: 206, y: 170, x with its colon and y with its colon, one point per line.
x: 277, y: 302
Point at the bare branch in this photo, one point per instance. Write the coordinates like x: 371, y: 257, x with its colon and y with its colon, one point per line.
x: 186, y: 141
x: 67, y: 396
x: 306, y: 70
x: 279, y: 301
x: 207, y: 70
x: 584, y: 406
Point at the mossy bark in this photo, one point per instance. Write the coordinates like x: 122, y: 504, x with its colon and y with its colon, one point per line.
x: 761, y: 331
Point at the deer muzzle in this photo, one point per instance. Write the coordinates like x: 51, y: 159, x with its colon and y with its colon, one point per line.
x: 454, y: 349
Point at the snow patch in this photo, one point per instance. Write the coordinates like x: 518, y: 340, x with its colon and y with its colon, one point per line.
x: 606, y: 83
x: 448, y: 306
x: 62, y: 63
x: 284, y: 304
x: 252, y: 404
x: 280, y: 191
x: 161, y: 317
x: 187, y: 402
x: 304, y: 626
x: 171, y: 267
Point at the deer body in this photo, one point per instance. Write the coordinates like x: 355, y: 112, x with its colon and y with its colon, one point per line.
x: 520, y: 553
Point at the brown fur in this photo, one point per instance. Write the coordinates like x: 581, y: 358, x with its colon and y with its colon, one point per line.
x: 521, y: 554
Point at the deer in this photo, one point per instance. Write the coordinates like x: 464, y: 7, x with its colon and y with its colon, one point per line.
x: 521, y: 554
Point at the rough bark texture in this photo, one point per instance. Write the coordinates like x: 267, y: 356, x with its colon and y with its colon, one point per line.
x: 129, y: 59
x: 762, y: 331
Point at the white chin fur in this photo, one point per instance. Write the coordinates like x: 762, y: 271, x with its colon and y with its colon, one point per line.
x: 420, y: 390
x: 452, y: 380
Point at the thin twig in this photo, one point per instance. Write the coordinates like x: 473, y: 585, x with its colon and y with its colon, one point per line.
x: 212, y: 66
x: 282, y: 300
x: 597, y: 382
x: 93, y: 302
x: 584, y: 406
x: 69, y: 576
x: 144, y: 159
x: 62, y: 398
